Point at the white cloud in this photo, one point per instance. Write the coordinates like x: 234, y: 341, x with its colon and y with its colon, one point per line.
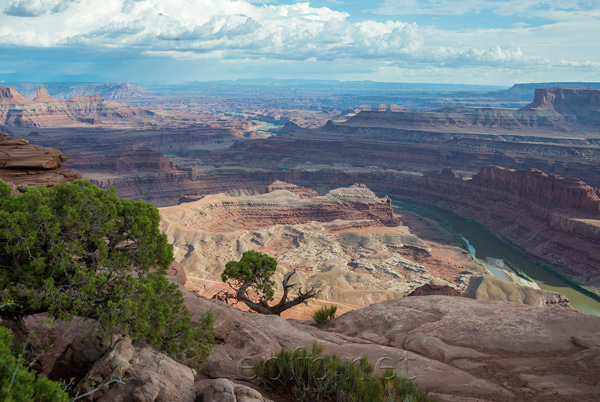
x: 36, y: 8
x: 245, y: 31
x: 460, y: 7
x: 232, y: 28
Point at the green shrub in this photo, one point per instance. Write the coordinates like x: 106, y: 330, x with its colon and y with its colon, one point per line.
x: 325, y: 314
x: 17, y: 383
x: 310, y: 376
x: 78, y: 250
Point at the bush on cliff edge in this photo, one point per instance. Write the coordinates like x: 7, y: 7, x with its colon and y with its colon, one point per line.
x: 77, y: 250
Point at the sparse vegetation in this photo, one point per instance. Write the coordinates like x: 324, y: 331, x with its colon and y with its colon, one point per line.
x: 312, y: 376
x: 17, y: 382
x: 325, y: 313
x: 77, y: 250
x: 518, y: 270
x: 253, y: 272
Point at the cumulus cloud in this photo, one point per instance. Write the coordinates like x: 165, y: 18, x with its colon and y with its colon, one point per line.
x: 234, y: 30
x: 230, y: 28
x: 36, y: 8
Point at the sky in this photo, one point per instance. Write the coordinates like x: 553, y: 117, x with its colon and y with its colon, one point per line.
x: 485, y: 42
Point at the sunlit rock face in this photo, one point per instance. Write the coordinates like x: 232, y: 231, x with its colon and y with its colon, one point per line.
x: 349, y: 239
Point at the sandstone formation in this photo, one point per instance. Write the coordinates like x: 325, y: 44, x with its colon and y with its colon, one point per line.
x: 496, y: 289
x: 66, y: 90
x: 539, y: 191
x: 525, y: 92
x: 561, y: 141
x: 566, y: 101
x: 42, y: 95
x: 10, y: 96
x: 133, y: 162
x: 356, y: 203
x: 461, y: 349
x: 31, y: 165
x: 550, y: 218
x: 434, y: 289
x: 45, y: 111
x: 348, y: 239
x: 552, y: 108
x: 147, y: 376
x: 223, y: 390
x: 300, y: 191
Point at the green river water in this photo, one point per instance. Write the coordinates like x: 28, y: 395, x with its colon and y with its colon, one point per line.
x: 483, y: 243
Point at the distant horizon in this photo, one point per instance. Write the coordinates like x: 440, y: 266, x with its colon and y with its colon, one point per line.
x: 262, y: 79
x: 290, y: 80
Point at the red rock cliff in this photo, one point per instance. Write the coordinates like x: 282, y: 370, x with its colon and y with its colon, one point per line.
x: 45, y: 111
x: 11, y: 96
x: 537, y: 190
x: 32, y: 165
x: 566, y: 100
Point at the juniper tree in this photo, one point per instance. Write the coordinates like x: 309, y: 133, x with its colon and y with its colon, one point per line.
x: 253, y: 272
x: 77, y: 250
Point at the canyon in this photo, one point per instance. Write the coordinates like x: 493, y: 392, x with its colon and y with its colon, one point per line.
x: 349, y: 240
x: 64, y: 90
x: 551, y: 219
x: 315, y: 199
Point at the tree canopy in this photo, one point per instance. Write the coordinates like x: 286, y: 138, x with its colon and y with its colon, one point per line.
x: 253, y: 271
x: 77, y: 250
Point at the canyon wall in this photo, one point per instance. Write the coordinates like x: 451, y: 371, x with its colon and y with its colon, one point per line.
x: 559, y: 108
x: 550, y: 218
x: 45, y: 111
x: 66, y: 90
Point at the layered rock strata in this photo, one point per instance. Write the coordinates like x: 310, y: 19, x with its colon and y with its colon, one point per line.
x: 31, y: 165
x: 45, y: 111
x: 349, y: 239
x: 66, y: 90
x: 487, y: 351
x: 552, y: 219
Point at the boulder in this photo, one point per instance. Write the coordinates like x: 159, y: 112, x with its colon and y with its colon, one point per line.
x: 223, y: 390
x: 138, y: 374
x: 435, y: 289
x: 32, y: 165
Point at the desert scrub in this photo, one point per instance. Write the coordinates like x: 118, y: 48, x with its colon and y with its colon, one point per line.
x: 325, y: 313
x: 78, y: 250
x: 17, y: 382
x: 311, y: 376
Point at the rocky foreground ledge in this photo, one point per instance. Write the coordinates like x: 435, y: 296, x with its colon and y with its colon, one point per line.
x: 32, y: 165
x: 459, y: 348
